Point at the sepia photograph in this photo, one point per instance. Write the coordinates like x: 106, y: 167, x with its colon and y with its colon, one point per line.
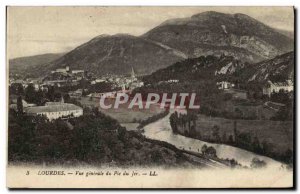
x: 150, y: 97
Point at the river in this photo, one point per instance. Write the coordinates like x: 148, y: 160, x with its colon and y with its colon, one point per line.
x: 161, y: 130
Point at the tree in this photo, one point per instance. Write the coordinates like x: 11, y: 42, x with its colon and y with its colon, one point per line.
x: 30, y: 93
x: 66, y: 97
x: 256, y: 145
x: 156, y: 157
x: 230, y: 139
x: 235, y: 133
x: 257, y: 163
x: 50, y: 93
x: 16, y: 88
x: 216, y: 134
x: 173, y: 122
x: 224, y: 138
x: 281, y: 97
x: 267, y: 147
x: 204, y: 148
x: 210, y: 152
x: 20, y: 105
x: 244, y: 140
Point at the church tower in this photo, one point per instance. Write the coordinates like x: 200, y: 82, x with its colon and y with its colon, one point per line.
x: 62, y: 100
x: 132, y: 73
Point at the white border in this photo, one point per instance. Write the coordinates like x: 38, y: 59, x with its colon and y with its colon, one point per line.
x: 4, y: 3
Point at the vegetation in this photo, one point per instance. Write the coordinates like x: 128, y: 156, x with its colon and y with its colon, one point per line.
x: 93, y: 139
x: 242, y: 139
x: 152, y: 119
x: 209, y: 151
x: 257, y: 163
x: 285, y: 112
x: 187, y: 122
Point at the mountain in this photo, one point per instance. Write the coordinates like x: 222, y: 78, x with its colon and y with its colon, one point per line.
x: 214, y: 33
x: 117, y: 54
x: 207, y: 33
x: 24, y: 64
x: 287, y: 33
x: 280, y: 68
x: 205, y: 68
x: 212, y: 69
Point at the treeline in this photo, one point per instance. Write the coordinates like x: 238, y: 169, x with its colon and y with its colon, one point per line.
x: 40, y: 97
x: 54, y: 93
x: 93, y: 139
x: 285, y: 113
x: 86, y: 138
x: 152, y: 119
x: 183, y: 124
x: 208, y: 110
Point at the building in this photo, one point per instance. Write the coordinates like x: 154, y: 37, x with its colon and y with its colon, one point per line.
x: 133, y: 77
x: 271, y: 87
x: 55, y: 110
x: 112, y: 94
x: 224, y: 85
x: 24, y: 103
x: 77, y: 71
x: 98, y: 81
x: 76, y: 93
x: 62, y: 70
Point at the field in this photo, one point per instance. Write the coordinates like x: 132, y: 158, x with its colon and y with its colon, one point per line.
x: 123, y: 114
x: 278, y: 133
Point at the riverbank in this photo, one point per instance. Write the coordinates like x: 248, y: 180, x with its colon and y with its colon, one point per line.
x: 161, y: 130
x: 263, y: 137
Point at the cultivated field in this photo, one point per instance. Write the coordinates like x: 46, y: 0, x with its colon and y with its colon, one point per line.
x: 278, y: 133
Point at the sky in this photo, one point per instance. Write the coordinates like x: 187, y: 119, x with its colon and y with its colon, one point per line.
x: 39, y: 30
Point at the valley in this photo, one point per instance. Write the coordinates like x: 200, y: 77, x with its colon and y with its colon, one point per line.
x: 241, y: 70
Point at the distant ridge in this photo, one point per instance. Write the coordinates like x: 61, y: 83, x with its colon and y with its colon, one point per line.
x: 209, y: 33
x: 21, y: 65
x: 215, y: 33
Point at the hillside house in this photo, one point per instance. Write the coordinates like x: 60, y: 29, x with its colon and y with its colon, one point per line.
x: 62, y: 70
x: 224, y: 85
x: 271, y: 87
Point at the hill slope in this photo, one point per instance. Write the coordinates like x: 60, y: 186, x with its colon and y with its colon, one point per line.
x: 207, y: 33
x: 212, y: 68
x: 117, y: 54
x: 280, y: 68
x: 213, y: 33
x: 24, y: 64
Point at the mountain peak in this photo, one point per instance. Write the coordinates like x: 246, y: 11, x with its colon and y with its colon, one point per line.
x: 123, y: 35
x: 210, y: 14
x: 214, y: 32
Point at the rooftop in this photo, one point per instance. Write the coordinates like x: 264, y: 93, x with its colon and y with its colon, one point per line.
x: 281, y: 84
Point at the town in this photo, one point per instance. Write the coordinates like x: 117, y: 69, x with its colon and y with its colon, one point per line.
x: 72, y: 85
x: 69, y: 84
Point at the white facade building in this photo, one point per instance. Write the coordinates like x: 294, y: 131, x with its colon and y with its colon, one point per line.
x: 224, y: 85
x: 55, y: 110
x: 271, y: 87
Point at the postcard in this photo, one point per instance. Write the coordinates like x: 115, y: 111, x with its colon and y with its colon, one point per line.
x: 150, y: 97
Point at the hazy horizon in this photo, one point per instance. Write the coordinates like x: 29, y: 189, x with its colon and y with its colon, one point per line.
x: 49, y: 30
